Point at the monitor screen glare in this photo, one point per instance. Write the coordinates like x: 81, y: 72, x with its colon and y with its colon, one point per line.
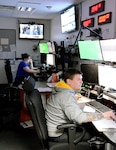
x: 109, y: 49
x: 50, y: 60
x: 68, y: 20
x: 107, y: 76
x: 90, y: 50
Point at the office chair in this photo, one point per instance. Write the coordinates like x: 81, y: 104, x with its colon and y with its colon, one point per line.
x: 37, y: 113
x: 12, y: 91
x: 8, y: 72
x: 10, y: 105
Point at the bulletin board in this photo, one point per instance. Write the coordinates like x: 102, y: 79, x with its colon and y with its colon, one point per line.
x: 7, y: 43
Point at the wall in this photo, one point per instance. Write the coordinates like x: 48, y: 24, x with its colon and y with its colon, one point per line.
x: 108, y: 30
x: 22, y: 46
x: 53, y: 31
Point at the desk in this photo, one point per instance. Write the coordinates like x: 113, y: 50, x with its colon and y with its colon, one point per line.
x: 109, y: 134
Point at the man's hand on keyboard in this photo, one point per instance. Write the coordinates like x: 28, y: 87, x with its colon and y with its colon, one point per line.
x: 110, y: 115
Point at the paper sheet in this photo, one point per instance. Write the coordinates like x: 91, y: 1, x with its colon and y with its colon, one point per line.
x: 26, y: 124
x: 46, y: 89
x: 105, y: 125
x: 88, y: 109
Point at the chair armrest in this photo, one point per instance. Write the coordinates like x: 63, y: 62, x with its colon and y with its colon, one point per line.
x: 71, y: 133
x: 81, y: 136
x: 72, y: 127
x: 66, y: 125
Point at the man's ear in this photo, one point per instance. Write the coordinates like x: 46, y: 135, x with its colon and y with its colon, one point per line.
x: 68, y: 81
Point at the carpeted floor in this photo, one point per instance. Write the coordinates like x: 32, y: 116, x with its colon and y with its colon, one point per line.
x: 19, y: 139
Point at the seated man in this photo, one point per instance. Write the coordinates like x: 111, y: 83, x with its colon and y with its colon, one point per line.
x: 25, y: 69
x: 63, y: 106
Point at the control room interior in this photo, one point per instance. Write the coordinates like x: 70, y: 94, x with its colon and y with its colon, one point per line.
x: 88, y: 43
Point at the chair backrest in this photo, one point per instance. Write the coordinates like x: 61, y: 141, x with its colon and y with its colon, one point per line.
x: 8, y: 72
x: 36, y: 110
x: 28, y: 84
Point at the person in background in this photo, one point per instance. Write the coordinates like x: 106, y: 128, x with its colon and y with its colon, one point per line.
x: 62, y: 107
x: 25, y: 69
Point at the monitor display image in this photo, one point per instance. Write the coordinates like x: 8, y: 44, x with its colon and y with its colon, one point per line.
x: 43, y: 48
x: 68, y: 20
x: 50, y: 59
x: 31, y: 31
x: 90, y: 50
x: 107, y: 76
x: 109, y: 49
x: 90, y: 73
x: 51, y: 47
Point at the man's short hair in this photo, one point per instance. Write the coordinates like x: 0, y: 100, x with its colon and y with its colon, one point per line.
x: 69, y: 74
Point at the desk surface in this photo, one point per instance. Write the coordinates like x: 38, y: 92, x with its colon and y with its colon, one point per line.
x: 111, y: 136
x: 109, y: 133
x: 43, y: 87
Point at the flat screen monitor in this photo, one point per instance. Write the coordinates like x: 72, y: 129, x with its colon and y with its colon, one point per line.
x: 43, y: 48
x: 90, y: 73
x: 90, y: 50
x: 51, y: 47
x: 31, y: 31
x: 50, y: 59
x: 109, y: 49
x: 68, y: 20
x: 107, y: 76
x: 43, y: 58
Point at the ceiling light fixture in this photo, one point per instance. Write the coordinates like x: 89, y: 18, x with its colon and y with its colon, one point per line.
x: 27, y: 9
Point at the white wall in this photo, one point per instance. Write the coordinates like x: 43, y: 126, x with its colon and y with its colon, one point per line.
x: 108, y: 30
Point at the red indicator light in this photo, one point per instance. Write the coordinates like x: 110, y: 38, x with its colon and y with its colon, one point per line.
x: 97, y: 8
x: 88, y: 22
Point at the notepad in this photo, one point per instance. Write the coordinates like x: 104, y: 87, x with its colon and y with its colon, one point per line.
x: 105, y: 125
x: 88, y: 109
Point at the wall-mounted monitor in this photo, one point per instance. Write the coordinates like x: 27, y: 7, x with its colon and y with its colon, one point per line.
x: 90, y: 73
x: 43, y: 48
x: 50, y: 59
x: 90, y: 50
x: 69, y: 20
x: 31, y: 31
x: 109, y: 49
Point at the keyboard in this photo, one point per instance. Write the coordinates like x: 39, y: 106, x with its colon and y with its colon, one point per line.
x: 98, y: 106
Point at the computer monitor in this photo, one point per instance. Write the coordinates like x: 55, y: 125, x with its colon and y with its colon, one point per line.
x: 107, y: 76
x: 90, y: 50
x: 43, y: 48
x: 109, y: 49
x: 51, y: 47
x: 90, y: 73
x: 50, y: 59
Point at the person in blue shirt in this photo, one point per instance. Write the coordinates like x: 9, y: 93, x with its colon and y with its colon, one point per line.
x: 25, y: 69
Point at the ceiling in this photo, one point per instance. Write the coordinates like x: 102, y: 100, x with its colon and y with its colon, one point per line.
x: 43, y: 9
